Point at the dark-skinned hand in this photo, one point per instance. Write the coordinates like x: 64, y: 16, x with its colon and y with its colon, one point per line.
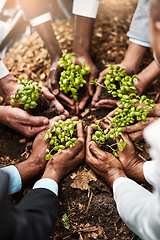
x: 62, y: 163
x: 102, y: 163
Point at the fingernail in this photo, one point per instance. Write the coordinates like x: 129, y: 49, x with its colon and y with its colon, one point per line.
x: 90, y: 143
x: 55, y: 92
x: 45, y: 121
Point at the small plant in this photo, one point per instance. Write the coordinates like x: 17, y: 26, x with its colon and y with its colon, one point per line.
x: 117, y: 82
x: 121, y: 85
x: 65, y: 220
x: 61, y: 136
x: 26, y: 96
x: 72, y: 77
x: 102, y: 135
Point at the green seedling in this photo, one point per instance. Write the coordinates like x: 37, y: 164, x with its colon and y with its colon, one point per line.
x: 121, y: 85
x: 72, y: 77
x: 117, y: 82
x: 26, y: 96
x: 65, y: 220
x: 102, y: 135
x: 61, y: 136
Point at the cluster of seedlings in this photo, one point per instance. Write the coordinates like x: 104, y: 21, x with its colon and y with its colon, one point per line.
x: 72, y: 77
x: 26, y: 96
x: 61, y: 136
x: 117, y: 83
x: 133, y: 107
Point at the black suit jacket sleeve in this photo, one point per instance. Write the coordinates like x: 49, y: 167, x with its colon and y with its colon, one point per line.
x: 32, y: 219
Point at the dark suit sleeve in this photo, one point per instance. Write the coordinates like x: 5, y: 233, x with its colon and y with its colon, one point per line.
x: 32, y: 219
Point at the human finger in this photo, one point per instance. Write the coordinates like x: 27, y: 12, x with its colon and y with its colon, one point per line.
x: 96, y: 95
x: 80, y: 131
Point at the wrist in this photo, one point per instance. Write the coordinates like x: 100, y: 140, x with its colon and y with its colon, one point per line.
x: 115, y: 175
x: 29, y: 169
x: 135, y: 171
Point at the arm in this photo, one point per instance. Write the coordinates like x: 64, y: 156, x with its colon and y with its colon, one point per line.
x: 34, y: 217
x: 142, y: 212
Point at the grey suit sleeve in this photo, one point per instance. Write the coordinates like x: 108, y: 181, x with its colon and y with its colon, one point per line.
x: 139, y: 28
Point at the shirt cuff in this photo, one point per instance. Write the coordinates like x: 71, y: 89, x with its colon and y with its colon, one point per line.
x: 40, y: 19
x: 149, y: 171
x: 15, y: 181
x: 3, y: 70
x: 118, y: 181
x: 86, y: 8
x: 47, y: 183
x: 139, y: 42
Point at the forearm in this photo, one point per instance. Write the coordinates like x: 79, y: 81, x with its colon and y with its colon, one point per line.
x: 46, y: 32
x: 133, y: 57
x: 149, y: 74
x: 33, y: 8
x: 142, y: 212
x: 83, y: 29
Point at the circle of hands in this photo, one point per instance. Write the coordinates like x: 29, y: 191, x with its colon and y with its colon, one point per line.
x: 104, y: 164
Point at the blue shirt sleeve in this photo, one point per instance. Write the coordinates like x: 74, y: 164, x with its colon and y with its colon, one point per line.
x: 15, y: 182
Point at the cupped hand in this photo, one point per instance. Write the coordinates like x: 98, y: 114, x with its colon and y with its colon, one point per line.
x: 135, y: 131
x: 88, y: 63
x: 62, y: 163
x: 45, y: 91
x: 22, y: 122
x: 52, y: 82
x: 106, y: 102
x: 132, y: 164
x: 102, y: 163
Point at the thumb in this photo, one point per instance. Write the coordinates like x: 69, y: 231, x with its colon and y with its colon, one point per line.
x: 95, y: 150
x: 78, y: 146
x: 37, y: 121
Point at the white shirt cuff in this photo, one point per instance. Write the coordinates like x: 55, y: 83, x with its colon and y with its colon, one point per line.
x: 139, y: 42
x: 86, y: 8
x: 3, y: 70
x: 118, y: 181
x: 47, y: 183
x: 15, y: 181
x: 40, y: 19
x: 149, y: 171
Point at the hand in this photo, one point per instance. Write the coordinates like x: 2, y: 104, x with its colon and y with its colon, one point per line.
x: 108, y: 103
x: 135, y: 131
x: 53, y: 77
x: 102, y: 163
x: 62, y: 163
x: 35, y: 164
x: 8, y: 87
x: 88, y: 63
x: 45, y: 91
x: 132, y: 165
x: 21, y: 121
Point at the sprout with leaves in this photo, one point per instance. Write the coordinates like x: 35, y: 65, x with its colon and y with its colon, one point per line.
x: 72, y: 77
x: 121, y: 85
x: 26, y: 96
x: 61, y: 136
x: 101, y: 135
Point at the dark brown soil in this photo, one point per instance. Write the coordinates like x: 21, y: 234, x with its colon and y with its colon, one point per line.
x: 84, y: 197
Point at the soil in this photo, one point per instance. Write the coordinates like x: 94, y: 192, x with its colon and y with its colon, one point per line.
x: 83, y: 196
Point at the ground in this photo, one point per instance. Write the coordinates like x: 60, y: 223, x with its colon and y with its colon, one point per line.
x: 86, y: 200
